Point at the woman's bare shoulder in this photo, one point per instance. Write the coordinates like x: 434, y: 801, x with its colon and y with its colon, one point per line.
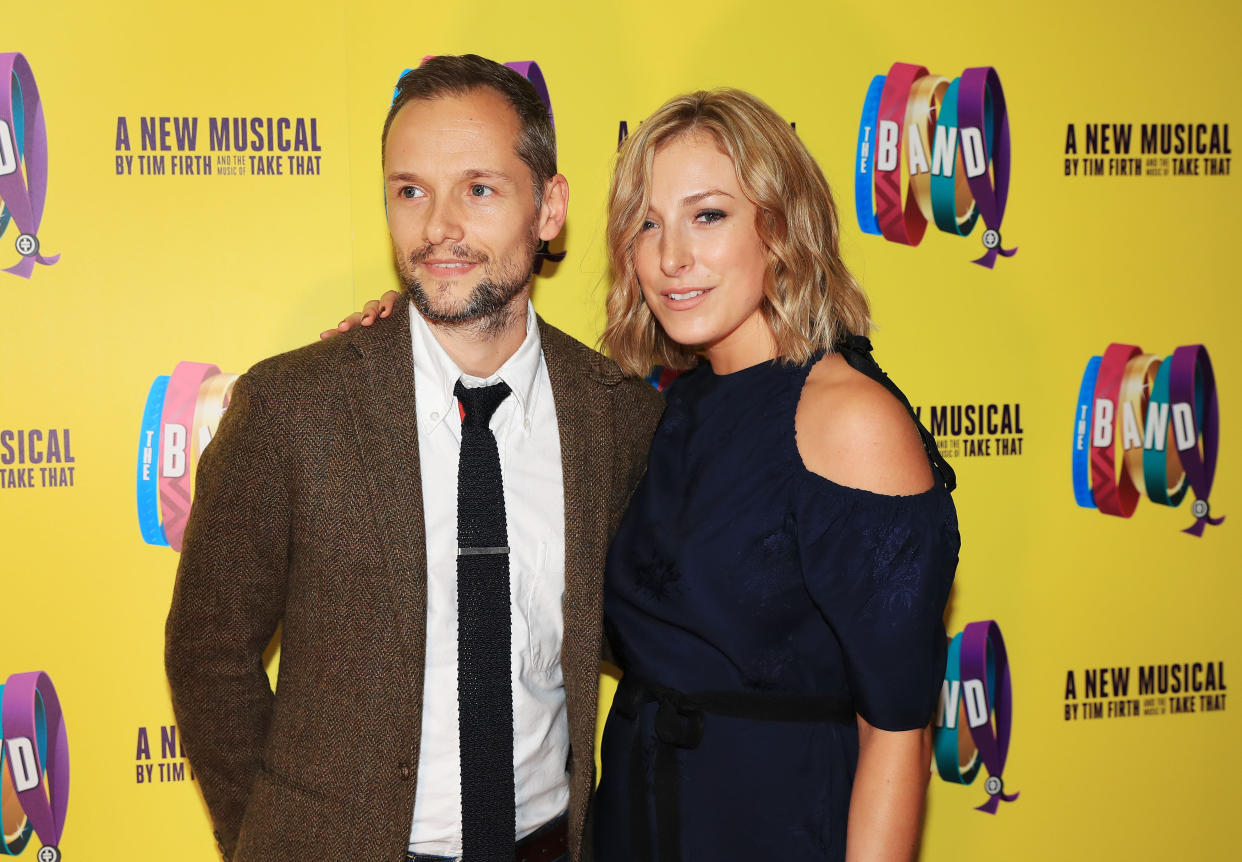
x: 854, y: 432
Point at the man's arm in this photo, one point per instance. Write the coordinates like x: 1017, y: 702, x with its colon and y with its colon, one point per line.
x: 229, y: 597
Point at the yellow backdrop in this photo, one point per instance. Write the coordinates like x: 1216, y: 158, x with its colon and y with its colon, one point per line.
x: 228, y: 268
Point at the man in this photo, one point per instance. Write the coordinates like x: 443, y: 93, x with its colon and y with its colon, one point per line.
x: 421, y: 556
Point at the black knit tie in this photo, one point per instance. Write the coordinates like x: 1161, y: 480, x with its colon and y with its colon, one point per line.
x: 484, y: 689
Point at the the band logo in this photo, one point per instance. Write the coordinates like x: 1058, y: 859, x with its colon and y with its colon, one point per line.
x: 181, y: 416
x: 34, y: 765
x: 1144, y: 423
x: 976, y: 712
x: 23, y: 161
x: 933, y: 150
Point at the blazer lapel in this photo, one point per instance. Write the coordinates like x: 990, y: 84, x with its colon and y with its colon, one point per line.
x: 378, y: 368
x: 583, y: 418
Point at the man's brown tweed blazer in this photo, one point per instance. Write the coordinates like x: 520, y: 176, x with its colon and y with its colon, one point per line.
x: 308, y: 515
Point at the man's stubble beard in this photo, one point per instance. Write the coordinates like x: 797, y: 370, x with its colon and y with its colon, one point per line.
x: 490, y: 309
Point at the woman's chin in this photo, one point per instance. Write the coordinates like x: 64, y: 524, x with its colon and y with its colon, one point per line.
x: 694, y: 337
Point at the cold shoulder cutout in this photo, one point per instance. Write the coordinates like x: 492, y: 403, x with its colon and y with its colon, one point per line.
x: 853, y: 431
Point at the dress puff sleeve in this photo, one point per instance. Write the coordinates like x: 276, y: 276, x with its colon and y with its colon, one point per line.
x: 879, y: 568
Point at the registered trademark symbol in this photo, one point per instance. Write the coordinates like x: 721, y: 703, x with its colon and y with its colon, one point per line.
x: 28, y: 246
x: 1199, y: 509
x: 991, y: 239
x: 48, y: 853
x: 994, y: 785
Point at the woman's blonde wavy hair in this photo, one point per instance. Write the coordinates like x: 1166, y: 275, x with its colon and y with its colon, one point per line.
x: 810, y: 300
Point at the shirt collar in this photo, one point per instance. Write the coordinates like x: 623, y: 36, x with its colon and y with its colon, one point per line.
x: 432, y: 363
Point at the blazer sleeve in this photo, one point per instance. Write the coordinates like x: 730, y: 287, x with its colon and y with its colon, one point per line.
x: 229, y: 598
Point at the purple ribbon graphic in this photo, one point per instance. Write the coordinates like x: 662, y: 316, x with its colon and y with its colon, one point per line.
x: 978, y: 86
x: 24, y: 195
x: 992, y: 743
x: 1187, y: 362
x: 529, y: 70
x: 44, y: 801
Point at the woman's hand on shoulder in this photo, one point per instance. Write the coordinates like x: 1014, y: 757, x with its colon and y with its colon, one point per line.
x: 371, y: 312
x: 853, y: 431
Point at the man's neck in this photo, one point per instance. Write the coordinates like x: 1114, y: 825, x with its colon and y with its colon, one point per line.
x: 480, y: 351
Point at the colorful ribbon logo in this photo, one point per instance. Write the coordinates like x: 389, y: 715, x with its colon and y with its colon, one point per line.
x: 954, y: 137
x: 1166, y: 415
x: 977, y: 692
x: 23, y: 144
x: 181, y: 416
x: 660, y: 377
x: 35, y: 792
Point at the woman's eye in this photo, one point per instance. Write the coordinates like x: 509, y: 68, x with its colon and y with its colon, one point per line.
x: 410, y: 192
x: 479, y: 190
x: 710, y: 216
x: 648, y: 224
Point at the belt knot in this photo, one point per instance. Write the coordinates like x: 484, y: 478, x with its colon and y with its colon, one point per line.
x: 677, y: 722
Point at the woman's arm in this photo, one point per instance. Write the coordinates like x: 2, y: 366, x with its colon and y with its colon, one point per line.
x: 854, y: 432
x: 886, y: 807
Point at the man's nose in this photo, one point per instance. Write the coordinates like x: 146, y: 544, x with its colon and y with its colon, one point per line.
x: 444, y: 223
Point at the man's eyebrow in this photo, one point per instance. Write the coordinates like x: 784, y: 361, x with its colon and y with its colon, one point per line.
x: 482, y: 174
x: 474, y: 174
x: 691, y: 200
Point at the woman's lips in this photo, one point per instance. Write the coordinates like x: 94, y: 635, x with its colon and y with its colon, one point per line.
x: 684, y: 298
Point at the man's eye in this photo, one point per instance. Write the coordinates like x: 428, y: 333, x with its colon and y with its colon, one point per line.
x: 410, y: 192
x: 479, y: 190
x: 710, y: 216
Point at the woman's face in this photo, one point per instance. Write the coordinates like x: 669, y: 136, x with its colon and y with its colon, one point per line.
x: 699, y: 259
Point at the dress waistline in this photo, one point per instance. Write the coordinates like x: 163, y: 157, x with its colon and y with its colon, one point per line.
x: 679, y: 722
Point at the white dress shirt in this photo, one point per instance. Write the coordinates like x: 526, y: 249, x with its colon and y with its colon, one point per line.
x: 530, y: 464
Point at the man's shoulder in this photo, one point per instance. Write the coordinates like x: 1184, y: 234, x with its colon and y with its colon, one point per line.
x: 312, y: 367
x: 563, y: 347
x: 295, y: 374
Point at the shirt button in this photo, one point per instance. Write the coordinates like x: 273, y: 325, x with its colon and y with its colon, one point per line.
x: 435, y: 417
x: 526, y: 424
x: 405, y: 770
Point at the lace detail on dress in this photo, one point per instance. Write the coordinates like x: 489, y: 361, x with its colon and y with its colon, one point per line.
x: 657, y: 578
x: 897, y: 575
x: 780, y: 547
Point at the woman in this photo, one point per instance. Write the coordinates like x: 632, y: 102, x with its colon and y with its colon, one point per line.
x: 774, y: 593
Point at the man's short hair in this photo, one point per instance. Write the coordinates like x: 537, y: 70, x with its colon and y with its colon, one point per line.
x: 458, y: 75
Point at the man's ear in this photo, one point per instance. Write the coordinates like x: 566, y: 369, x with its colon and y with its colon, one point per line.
x: 554, y: 207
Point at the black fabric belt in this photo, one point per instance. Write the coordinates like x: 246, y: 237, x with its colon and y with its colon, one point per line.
x: 679, y: 723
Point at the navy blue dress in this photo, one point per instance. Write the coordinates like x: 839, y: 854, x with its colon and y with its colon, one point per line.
x: 736, y: 569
